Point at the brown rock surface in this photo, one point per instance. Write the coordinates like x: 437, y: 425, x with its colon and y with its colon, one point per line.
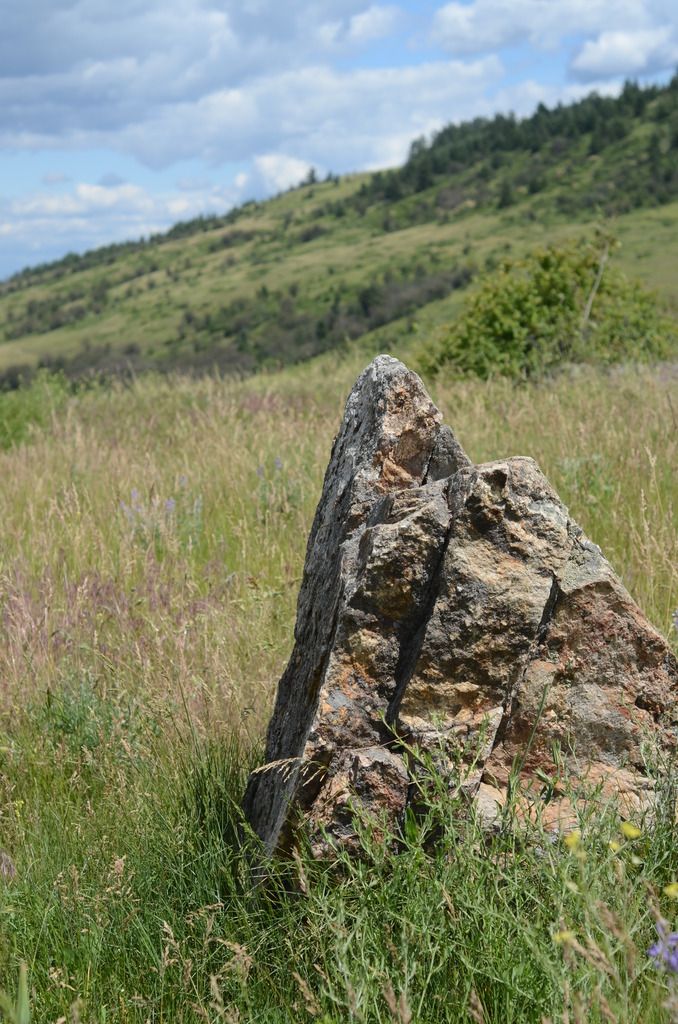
x: 459, y: 610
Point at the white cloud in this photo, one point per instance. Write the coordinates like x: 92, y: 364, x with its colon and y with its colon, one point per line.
x: 278, y: 172
x: 374, y: 23
x: 338, y: 120
x: 42, y: 226
x: 227, y: 80
x: 179, y: 207
x: 487, y: 25
x: 84, y: 198
x: 328, y: 35
x: 523, y: 97
x: 74, y: 69
x: 98, y: 197
x: 170, y: 48
x: 616, y: 53
x: 97, y: 205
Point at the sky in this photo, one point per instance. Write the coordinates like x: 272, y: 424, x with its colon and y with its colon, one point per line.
x: 120, y: 117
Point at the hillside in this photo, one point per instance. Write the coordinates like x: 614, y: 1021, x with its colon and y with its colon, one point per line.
x: 280, y: 281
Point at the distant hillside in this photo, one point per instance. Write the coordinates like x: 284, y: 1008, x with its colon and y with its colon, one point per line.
x: 609, y: 155
x: 280, y: 281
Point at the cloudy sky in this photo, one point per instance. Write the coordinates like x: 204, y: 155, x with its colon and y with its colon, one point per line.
x: 120, y: 117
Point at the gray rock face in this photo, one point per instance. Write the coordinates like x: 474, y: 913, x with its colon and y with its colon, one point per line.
x: 456, y: 609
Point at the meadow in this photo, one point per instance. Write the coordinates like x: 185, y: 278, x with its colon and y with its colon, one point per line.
x: 152, y: 537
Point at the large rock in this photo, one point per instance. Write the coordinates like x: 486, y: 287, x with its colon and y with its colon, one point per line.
x: 457, y: 610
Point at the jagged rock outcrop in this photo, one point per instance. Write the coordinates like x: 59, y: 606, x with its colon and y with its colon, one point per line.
x: 455, y: 609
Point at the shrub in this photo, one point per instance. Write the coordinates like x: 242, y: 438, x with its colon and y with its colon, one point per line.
x: 562, y: 304
x: 27, y: 406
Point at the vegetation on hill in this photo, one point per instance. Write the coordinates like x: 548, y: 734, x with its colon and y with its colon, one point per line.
x: 330, y: 262
x: 559, y: 305
x: 631, y: 142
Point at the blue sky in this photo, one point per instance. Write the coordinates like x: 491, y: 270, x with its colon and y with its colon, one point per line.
x: 118, y: 119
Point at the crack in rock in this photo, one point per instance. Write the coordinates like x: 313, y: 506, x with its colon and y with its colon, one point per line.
x: 457, y: 609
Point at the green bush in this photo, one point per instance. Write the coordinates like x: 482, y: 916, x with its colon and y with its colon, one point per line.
x: 562, y: 304
x: 30, y: 405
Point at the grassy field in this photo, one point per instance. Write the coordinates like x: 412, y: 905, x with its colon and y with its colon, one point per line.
x: 151, y: 545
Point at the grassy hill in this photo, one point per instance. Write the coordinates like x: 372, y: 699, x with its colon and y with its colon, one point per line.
x: 280, y: 281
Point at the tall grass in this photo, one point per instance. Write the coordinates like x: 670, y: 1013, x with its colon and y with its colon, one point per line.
x: 151, y: 545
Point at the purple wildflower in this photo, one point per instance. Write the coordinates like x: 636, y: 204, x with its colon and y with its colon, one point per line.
x: 260, y: 472
x: 278, y: 463
x: 170, y: 506
x: 665, y: 951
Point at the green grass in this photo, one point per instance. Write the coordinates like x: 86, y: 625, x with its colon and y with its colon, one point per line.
x: 21, y: 411
x: 142, y: 903
x: 151, y: 544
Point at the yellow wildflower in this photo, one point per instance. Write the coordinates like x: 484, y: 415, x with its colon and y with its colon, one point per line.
x: 671, y: 890
x: 629, y: 830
